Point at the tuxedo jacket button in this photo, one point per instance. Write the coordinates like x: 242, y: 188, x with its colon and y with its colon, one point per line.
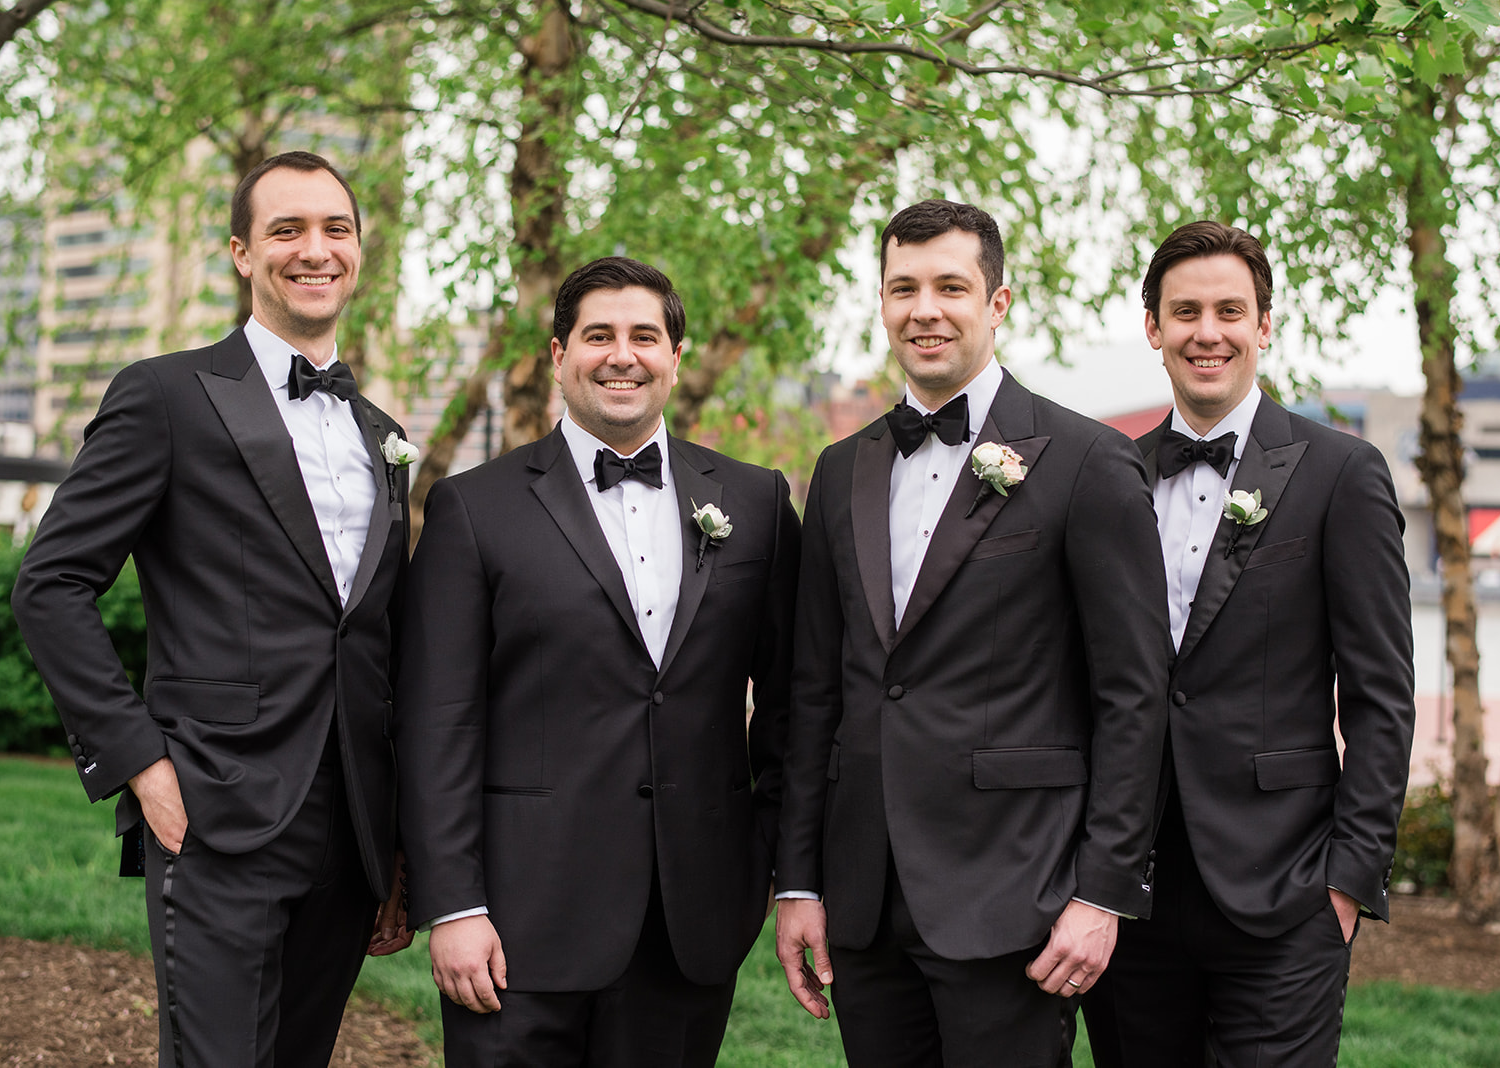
x: 644, y: 790
x: 1179, y: 698
x: 73, y: 740
x: 658, y: 697
x: 80, y: 760
x: 343, y: 630
x: 894, y: 693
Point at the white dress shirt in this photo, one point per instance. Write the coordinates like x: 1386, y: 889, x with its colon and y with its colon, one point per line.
x: 1189, y: 506
x: 336, y: 466
x: 922, y: 483
x: 644, y: 531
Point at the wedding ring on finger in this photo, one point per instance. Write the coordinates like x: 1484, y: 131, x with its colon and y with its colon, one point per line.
x: 1075, y: 984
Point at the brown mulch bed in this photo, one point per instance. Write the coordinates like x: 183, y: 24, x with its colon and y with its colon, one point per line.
x: 66, y: 1007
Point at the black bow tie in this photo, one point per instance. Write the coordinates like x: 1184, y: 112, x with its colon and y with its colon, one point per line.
x: 910, y: 427
x: 305, y: 379
x: 1177, y: 452
x: 610, y: 469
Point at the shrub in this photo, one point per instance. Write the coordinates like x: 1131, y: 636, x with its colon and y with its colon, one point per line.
x: 28, y: 718
x: 1424, y: 840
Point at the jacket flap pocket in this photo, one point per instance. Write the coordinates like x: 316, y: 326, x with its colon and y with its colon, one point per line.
x: 201, y: 699
x: 1019, y: 542
x: 1029, y: 769
x: 833, y: 761
x: 1293, y: 768
x: 1274, y: 554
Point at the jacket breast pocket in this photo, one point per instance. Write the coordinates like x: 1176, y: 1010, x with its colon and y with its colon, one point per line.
x: 1291, y: 769
x: 740, y: 570
x: 1020, y: 542
x: 204, y: 700
x: 1275, y: 554
x: 1029, y: 769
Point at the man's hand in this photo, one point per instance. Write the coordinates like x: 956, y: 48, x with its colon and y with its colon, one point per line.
x: 390, y: 934
x: 801, y: 925
x: 1077, y: 952
x: 1348, y: 910
x: 161, y: 803
x: 468, y: 964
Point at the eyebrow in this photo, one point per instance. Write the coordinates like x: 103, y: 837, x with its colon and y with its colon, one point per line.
x: 947, y: 276
x: 653, y: 327
x: 280, y: 220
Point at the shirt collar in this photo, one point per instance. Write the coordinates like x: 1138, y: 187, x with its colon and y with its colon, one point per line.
x: 275, y: 355
x: 1237, y: 422
x: 584, y: 446
x: 981, y: 391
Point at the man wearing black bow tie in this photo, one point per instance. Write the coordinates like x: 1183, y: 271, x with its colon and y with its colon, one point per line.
x: 978, y: 693
x: 1283, y: 596
x: 590, y: 831
x: 255, y: 774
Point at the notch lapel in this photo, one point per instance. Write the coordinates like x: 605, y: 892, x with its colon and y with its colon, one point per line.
x: 239, y: 393
x: 564, y: 495
x: 691, y: 484
x: 870, y: 514
x: 1267, y: 464
x: 383, y: 513
x: 973, y: 505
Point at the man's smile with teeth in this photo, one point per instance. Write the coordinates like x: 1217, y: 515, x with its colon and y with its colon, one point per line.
x: 1208, y: 361
x: 618, y: 384
x: 313, y: 279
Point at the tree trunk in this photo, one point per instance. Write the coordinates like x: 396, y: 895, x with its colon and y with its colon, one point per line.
x: 1474, y: 869
x: 538, y: 187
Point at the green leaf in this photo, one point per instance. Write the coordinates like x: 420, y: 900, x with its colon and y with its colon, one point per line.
x: 1395, y: 14
x: 1476, y: 15
x: 1235, y: 14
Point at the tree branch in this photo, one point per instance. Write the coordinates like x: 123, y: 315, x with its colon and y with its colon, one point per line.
x: 1105, y: 84
x: 15, y: 19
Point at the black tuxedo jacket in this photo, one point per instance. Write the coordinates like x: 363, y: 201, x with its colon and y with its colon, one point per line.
x: 1314, y: 598
x: 547, y: 764
x: 1003, y: 745
x: 251, y: 659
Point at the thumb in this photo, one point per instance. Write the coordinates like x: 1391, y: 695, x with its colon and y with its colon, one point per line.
x: 822, y: 964
x: 497, y: 966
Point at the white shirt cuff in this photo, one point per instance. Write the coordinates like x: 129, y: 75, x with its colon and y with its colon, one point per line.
x: 430, y: 924
x: 798, y: 895
x: 1101, y: 908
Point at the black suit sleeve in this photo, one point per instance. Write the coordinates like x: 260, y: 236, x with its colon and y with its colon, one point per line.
x: 94, y: 521
x: 771, y: 667
x: 1120, y: 592
x: 1368, y: 594
x: 817, y: 694
x: 440, y: 714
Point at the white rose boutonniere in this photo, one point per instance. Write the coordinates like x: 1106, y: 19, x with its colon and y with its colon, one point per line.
x: 999, y: 467
x: 1245, y: 510
x: 713, y: 526
x: 398, y: 452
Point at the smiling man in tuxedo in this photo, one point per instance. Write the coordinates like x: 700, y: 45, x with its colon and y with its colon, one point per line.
x: 1291, y: 595
x: 978, y: 694
x: 248, y: 482
x: 590, y: 830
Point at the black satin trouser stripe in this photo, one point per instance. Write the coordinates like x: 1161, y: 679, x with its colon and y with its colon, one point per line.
x: 169, y: 959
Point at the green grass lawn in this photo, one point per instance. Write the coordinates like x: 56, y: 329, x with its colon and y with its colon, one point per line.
x: 59, y: 858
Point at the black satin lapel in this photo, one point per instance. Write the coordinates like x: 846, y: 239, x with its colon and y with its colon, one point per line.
x: 382, y: 513
x: 870, y: 514
x: 971, y: 508
x: 1267, y: 470
x: 563, y: 494
x: 692, y: 486
x: 250, y: 415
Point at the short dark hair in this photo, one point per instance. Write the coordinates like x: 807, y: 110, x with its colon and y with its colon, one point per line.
x: 616, y: 272
x: 934, y: 218
x: 1196, y: 240
x: 239, y: 207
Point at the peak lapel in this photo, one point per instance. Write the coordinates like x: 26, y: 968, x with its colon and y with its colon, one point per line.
x: 870, y: 514
x: 973, y: 504
x: 692, y: 484
x: 1267, y: 464
x: 238, y: 391
x: 1147, y: 443
x: 564, y: 495
x: 383, y: 512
